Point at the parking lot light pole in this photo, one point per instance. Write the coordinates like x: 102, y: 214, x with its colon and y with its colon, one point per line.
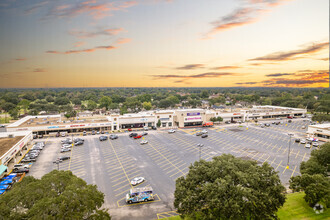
x: 200, y: 150
x: 287, y: 166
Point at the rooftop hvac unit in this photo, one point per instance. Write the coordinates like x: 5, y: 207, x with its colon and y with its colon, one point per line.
x: 10, y: 135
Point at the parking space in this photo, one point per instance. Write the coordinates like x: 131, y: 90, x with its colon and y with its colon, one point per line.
x: 112, y: 164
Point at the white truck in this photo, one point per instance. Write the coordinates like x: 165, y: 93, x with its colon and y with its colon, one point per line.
x: 143, y: 194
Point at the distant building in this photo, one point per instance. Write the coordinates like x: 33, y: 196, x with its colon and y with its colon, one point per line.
x: 320, y: 131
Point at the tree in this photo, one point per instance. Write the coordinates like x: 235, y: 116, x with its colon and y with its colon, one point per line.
x: 158, y: 123
x: 76, y: 101
x: 91, y: 105
x: 7, y: 106
x: 14, y: 113
x: 57, y: 195
x: 204, y: 94
x: 61, y: 101
x: 105, y: 102
x: 147, y: 105
x: 49, y: 98
x: 213, y: 119
x: 24, y: 104
x: 229, y: 188
x: 314, y: 177
x: 219, y: 119
x: 321, y: 117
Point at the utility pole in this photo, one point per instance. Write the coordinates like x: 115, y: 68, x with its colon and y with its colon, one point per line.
x: 287, y: 166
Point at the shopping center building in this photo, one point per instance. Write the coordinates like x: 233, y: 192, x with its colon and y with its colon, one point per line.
x: 50, y: 124
x: 320, y: 131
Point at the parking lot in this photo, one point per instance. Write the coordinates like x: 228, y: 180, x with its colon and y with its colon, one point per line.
x: 112, y: 164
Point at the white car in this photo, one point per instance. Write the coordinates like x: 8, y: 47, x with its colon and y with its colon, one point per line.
x: 307, y: 146
x: 204, y: 131
x: 171, y: 131
x: 144, y: 142
x: 315, y: 144
x: 309, y: 139
x: 302, y: 141
x: 145, y: 128
x: 19, y: 166
x: 66, y: 145
x: 137, y: 180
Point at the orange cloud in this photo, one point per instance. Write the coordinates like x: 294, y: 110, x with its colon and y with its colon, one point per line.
x: 225, y: 67
x: 79, y: 44
x: 82, y: 51
x: 183, y: 78
x: 123, y: 40
x: 190, y: 67
x: 91, y: 34
x: 295, y: 54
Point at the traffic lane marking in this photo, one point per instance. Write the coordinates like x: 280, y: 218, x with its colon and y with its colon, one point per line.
x: 294, y: 170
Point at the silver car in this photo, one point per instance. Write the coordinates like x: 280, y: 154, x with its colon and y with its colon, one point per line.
x: 137, y: 180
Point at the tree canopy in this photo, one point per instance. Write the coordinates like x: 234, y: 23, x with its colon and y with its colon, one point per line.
x: 229, y: 188
x: 314, y: 178
x: 57, y: 195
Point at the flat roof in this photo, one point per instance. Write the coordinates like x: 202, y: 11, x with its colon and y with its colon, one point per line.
x: 324, y: 126
x: 7, y: 143
x: 36, y: 121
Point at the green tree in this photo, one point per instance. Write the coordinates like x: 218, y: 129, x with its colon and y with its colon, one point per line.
x: 91, y: 105
x: 62, y: 101
x: 114, y: 106
x: 229, y: 188
x: 49, y: 98
x: 76, y: 101
x: 105, y: 102
x: 24, y: 104
x: 213, y: 119
x: 321, y: 117
x: 219, y: 119
x: 7, y: 106
x: 147, y: 105
x: 314, y: 178
x: 14, y: 113
x: 204, y: 94
x: 57, y: 195
x: 158, y: 123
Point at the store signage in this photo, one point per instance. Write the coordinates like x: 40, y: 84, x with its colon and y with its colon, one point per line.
x: 192, y: 118
x: 52, y: 127
x: 164, y: 119
x: 193, y: 114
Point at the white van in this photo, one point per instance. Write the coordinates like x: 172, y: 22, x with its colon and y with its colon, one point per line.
x: 19, y: 166
x: 63, y: 134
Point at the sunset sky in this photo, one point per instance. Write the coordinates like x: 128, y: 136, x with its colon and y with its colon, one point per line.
x: 164, y: 43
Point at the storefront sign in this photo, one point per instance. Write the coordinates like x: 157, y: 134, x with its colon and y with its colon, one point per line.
x: 193, y: 119
x: 164, y: 119
x: 193, y: 114
x: 53, y: 127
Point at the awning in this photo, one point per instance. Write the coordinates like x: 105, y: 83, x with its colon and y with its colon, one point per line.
x: 2, y: 192
x: 11, y: 176
x: 6, y: 182
x: 3, y: 168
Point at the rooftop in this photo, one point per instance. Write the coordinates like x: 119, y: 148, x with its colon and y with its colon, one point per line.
x: 7, y: 143
x: 324, y: 126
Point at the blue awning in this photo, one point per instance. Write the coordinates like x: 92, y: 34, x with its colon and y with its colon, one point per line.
x: 3, y: 168
x: 2, y: 191
x: 11, y: 176
x: 4, y: 187
x: 6, y: 182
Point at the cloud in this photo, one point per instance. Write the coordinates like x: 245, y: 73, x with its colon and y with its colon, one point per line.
x: 91, y: 34
x: 190, y: 67
x: 246, y: 83
x: 82, y: 51
x: 79, y: 44
x: 39, y: 70
x: 89, y: 7
x: 294, y: 54
x: 324, y: 59
x: 123, y: 40
x: 279, y: 74
x: 20, y: 59
x: 35, y: 7
x: 225, y: 67
x: 183, y: 78
x: 242, y: 16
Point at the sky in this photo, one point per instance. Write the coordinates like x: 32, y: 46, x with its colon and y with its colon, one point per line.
x: 164, y: 43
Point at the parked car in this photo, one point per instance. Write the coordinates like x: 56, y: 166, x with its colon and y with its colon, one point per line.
x: 66, y: 141
x: 204, y: 135
x: 129, y: 129
x: 21, y: 170
x: 199, y: 133
x: 103, y: 138
x: 289, y: 121
x: 303, y: 127
x: 137, y: 137
x: 137, y: 180
x: 297, y: 140
x: 302, y: 141
x: 93, y: 132
x: 143, y: 142
x: 19, y: 165
x: 171, y: 131
x: 28, y: 159
x: 145, y: 128
x: 102, y: 132
x: 84, y: 133
x: 315, y: 144
x: 290, y: 117
x: 227, y: 122
x: 144, y: 133
x: 204, y: 131
x: 57, y: 134
x: 153, y: 128
x: 133, y: 134
x: 98, y: 132
x: 78, y: 143
x: 65, y: 150
x: 307, y: 146
x: 40, y: 136
x: 113, y: 136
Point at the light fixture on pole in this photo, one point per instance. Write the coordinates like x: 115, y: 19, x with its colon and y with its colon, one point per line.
x: 200, y: 150
x: 287, y: 166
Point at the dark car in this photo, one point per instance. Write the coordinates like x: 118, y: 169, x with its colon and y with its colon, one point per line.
x: 78, y: 139
x: 60, y: 159
x: 103, y: 138
x: 267, y: 125
x: 277, y: 123
x: 78, y: 143
x: 144, y: 133
x: 93, y: 132
x: 133, y: 134
x: 57, y: 135
x: 137, y: 137
x: 102, y: 132
x: 290, y: 117
x: 28, y: 159
x: 35, y: 136
x: 153, y: 128
x: 21, y: 170
x: 113, y: 136
x: 227, y: 122
x: 297, y: 140
x: 40, y: 136
x: 204, y: 136
x: 289, y: 121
